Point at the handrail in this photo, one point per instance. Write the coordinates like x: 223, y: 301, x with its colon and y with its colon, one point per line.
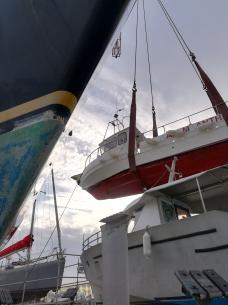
x: 88, y: 159
x: 42, y: 279
x: 91, y: 241
x: 186, y: 117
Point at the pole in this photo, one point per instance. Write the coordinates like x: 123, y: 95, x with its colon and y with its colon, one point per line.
x: 31, y: 229
x: 58, y: 230
x: 201, y: 195
x: 56, y: 213
x: 77, y: 282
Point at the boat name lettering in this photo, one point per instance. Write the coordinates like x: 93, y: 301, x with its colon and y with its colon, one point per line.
x: 186, y: 129
x: 200, y: 123
x: 210, y: 120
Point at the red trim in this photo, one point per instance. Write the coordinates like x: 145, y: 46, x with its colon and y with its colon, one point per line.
x: 152, y: 174
x: 26, y: 242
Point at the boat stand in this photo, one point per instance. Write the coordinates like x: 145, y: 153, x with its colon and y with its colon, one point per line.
x: 202, y: 286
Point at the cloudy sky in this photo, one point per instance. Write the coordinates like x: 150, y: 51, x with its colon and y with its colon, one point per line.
x: 177, y: 92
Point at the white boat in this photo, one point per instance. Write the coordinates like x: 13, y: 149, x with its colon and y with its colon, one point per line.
x: 196, y: 147
x: 187, y: 224
x: 130, y: 161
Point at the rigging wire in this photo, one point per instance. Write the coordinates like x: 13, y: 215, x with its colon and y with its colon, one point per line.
x: 190, y: 55
x: 136, y: 41
x: 155, y: 132
x: 27, y: 275
x: 59, y: 220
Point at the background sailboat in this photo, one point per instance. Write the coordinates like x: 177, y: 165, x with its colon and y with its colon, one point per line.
x: 31, y: 278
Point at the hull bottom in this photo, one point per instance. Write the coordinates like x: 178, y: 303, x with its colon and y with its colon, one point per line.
x: 155, y: 173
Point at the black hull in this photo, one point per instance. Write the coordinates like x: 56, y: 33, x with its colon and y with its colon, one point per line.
x: 49, y: 50
x: 52, y: 45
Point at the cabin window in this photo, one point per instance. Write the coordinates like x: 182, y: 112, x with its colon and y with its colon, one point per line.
x: 122, y: 138
x: 168, y: 211
x: 110, y: 144
x: 131, y: 225
x: 181, y: 212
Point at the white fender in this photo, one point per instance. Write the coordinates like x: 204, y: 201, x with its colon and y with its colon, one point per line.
x: 206, y: 126
x: 175, y: 133
x: 147, y: 249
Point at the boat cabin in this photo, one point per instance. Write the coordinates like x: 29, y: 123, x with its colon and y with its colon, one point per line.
x: 180, y: 199
x: 118, y: 142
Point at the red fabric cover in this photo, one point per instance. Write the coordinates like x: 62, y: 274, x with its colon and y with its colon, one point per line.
x: 213, y: 94
x: 131, y: 144
x: 26, y: 242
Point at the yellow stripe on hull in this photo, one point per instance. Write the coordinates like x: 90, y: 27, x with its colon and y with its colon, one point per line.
x: 64, y: 98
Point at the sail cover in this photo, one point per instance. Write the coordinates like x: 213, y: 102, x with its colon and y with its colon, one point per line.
x: 131, y: 145
x: 217, y: 101
x: 24, y: 243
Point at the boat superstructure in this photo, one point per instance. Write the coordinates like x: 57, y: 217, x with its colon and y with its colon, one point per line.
x: 49, y: 52
x: 192, y: 148
x: 187, y: 225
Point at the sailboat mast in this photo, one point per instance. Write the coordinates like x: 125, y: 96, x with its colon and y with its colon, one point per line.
x: 31, y: 229
x: 56, y: 213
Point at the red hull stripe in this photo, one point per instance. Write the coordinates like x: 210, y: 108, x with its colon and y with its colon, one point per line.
x: 155, y: 173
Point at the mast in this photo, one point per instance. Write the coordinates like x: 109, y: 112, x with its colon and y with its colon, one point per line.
x: 31, y: 229
x: 56, y: 213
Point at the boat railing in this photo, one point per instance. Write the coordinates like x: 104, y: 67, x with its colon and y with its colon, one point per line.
x: 191, y: 119
x: 92, y: 240
x: 93, y: 155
